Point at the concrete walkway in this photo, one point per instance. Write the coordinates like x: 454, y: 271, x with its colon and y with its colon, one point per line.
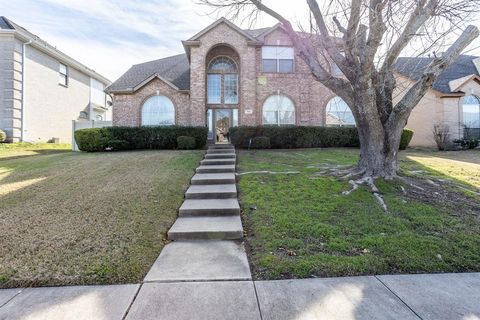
x: 428, y: 297
x: 204, y: 274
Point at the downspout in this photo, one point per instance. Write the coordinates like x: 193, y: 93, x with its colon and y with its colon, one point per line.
x: 22, y: 118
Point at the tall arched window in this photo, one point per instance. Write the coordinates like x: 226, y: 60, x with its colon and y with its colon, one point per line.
x: 158, y: 111
x: 278, y: 110
x: 471, y: 112
x: 222, y: 73
x: 338, y: 113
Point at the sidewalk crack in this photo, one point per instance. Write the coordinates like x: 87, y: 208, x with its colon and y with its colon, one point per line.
x: 398, y: 297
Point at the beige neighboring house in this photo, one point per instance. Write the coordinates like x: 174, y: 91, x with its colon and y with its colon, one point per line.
x: 230, y: 76
x: 453, y: 101
x: 42, y: 89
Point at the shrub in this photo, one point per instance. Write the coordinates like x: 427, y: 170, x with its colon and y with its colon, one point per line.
x: 159, y: 137
x: 407, y: 136
x: 118, y: 145
x: 3, y: 136
x: 441, y: 135
x: 466, y: 143
x: 260, y: 143
x: 296, y: 136
x: 186, y: 143
x: 90, y: 140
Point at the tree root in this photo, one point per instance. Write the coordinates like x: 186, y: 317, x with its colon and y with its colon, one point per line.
x: 356, y: 177
x: 269, y: 172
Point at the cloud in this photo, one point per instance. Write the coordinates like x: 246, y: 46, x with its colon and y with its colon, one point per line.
x: 111, y: 35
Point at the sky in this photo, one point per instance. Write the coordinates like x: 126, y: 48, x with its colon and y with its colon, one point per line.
x: 111, y: 35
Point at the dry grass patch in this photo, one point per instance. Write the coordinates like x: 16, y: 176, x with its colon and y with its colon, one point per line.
x: 77, y: 218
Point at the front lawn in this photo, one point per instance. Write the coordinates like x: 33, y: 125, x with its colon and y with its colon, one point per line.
x: 86, y: 218
x: 299, y: 224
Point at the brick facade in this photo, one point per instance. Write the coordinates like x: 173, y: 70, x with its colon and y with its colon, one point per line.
x: 309, y: 96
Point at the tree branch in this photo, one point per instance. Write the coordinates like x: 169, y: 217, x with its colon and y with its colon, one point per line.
x: 403, y: 108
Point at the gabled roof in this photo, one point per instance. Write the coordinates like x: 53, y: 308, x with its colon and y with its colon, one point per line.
x: 8, y: 26
x: 228, y: 23
x: 5, y: 24
x: 174, y: 70
x: 413, y: 68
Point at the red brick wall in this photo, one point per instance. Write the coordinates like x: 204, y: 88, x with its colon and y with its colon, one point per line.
x: 309, y: 96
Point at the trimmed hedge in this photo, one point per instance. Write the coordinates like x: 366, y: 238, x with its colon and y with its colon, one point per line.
x: 407, y: 136
x: 287, y: 137
x: 186, y: 143
x: 3, y: 136
x: 160, y: 137
x: 260, y: 143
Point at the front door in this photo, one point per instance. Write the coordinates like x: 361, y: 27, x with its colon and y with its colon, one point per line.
x: 219, y: 123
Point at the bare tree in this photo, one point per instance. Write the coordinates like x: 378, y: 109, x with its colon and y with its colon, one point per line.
x: 373, y: 33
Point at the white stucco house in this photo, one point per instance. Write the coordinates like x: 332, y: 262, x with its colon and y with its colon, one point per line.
x: 42, y: 89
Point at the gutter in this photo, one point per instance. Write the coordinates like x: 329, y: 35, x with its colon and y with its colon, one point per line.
x: 22, y: 120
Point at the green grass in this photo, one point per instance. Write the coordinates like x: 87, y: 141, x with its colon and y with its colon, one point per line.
x: 303, y: 226
x: 23, y: 149
x: 86, y: 218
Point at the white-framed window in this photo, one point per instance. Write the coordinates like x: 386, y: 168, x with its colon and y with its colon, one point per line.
x: 471, y: 112
x: 222, y: 75
x: 63, y: 75
x: 158, y: 111
x: 338, y: 113
x: 277, y: 59
x: 278, y: 110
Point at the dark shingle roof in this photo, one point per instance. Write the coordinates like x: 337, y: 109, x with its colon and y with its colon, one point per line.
x: 256, y: 32
x: 175, y: 69
x: 413, y: 68
x: 5, y: 24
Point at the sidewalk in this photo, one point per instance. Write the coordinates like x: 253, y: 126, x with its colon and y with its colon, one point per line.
x: 435, y: 296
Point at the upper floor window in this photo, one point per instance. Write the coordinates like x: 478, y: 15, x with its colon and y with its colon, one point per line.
x: 471, y: 112
x: 277, y: 59
x: 278, y: 110
x: 222, y: 77
x: 63, y: 75
x: 338, y: 113
x: 158, y: 111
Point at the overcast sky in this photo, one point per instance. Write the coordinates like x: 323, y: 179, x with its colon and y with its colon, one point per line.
x: 111, y: 35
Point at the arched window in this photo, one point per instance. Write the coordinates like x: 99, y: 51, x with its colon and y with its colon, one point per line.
x: 278, y: 110
x: 471, y: 112
x: 158, y: 111
x: 338, y: 113
x: 222, y: 73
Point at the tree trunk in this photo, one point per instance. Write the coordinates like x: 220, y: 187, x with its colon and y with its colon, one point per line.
x: 378, y: 144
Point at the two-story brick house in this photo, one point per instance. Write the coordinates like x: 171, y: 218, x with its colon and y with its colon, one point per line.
x: 229, y: 77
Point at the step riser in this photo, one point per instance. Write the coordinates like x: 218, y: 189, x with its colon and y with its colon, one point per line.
x: 217, y: 161
x: 220, y: 156
x: 212, y: 181
x: 233, y: 235
x: 212, y: 195
x: 208, y: 212
x: 215, y: 170
x: 215, y: 151
x: 221, y: 146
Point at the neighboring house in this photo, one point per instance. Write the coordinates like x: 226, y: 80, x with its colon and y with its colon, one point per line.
x: 42, y: 89
x: 228, y: 77
x: 453, y: 101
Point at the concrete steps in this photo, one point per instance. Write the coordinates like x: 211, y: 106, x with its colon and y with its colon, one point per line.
x: 209, y: 207
x: 220, y: 168
x: 212, y: 191
x: 216, y: 151
x: 207, y: 162
x: 221, y: 146
x: 206, y: 228
x: 213, y: 178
